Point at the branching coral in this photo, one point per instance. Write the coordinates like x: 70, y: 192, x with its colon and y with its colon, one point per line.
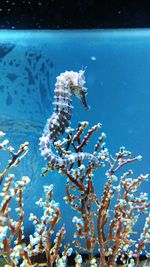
x: 81, y: 196
x: 12, y: 246
x: 115, y: 229
x: 15, y: 157
x: 40, y: 241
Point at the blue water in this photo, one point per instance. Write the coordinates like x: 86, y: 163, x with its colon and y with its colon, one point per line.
x: 118, y: 81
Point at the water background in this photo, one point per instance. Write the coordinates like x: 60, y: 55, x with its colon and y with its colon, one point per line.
x: 118, y: 82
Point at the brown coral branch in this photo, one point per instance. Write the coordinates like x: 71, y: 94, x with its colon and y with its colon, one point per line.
x: 87, y: 137
x: 16, y: 158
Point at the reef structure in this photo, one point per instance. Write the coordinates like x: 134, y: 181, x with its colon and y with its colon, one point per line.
x: 67, y: 84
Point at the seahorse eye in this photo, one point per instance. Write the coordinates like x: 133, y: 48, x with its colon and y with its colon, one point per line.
x: 84, y: 90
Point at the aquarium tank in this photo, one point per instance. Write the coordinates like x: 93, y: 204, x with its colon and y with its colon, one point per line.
x: 74, y: 148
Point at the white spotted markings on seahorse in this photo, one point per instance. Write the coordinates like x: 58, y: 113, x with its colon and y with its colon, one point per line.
x: 68, y: 83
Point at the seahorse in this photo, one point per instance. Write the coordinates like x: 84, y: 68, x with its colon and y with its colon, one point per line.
x: 67, y: 84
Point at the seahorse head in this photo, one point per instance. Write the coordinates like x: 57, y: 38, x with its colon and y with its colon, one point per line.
x: 76, y: 85
x: 74, y: 81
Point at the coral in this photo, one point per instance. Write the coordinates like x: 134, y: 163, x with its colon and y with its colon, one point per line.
x: 15, y: 157
x: 101, y: 224
x: 80, y: 195
x: 12, y: 247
